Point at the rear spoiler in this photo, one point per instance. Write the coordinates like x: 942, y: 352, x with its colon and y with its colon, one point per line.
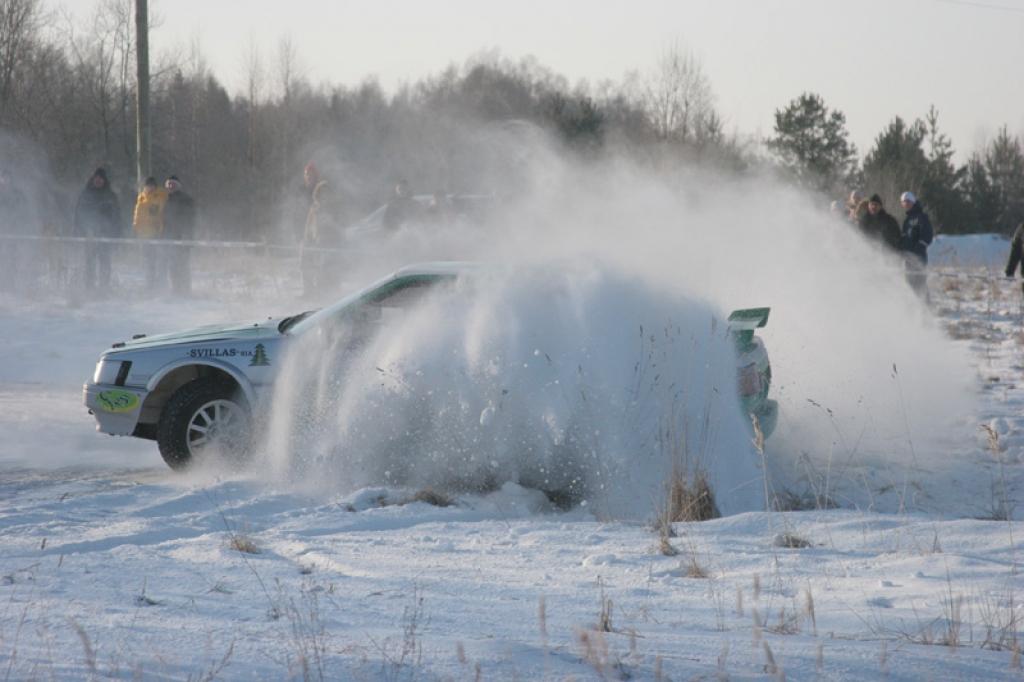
x: 743, y: 322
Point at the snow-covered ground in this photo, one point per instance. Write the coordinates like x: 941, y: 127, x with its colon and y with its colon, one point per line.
x: 988, y: 251
x: 902, y: 562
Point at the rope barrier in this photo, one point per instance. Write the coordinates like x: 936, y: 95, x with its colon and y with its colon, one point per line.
x: 137, y: 241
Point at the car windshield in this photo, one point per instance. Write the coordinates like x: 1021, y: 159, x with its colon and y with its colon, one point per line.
x: 396, y: 291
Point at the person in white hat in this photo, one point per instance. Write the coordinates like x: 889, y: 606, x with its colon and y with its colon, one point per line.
x: 915, y: 236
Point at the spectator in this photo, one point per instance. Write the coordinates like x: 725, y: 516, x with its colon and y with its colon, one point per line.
x: 1016, y: 252
x: 400, y: 208
x: 97, y: 215
x: 837, y: 210
x: 179, y: 224
x: 321, y: 230
x: 915, y: 236
x: 148, y: 224
x: 878, y: 225
x: 855, y: 205
x: 440, y: 211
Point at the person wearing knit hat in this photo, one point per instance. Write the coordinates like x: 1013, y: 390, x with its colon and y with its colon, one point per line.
x: 179, y: 224
x: 97, y: 215
x: 878, y: 225
x: 148, y: 223
x: 915, y: 236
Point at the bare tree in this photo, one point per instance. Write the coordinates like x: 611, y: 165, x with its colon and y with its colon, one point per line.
x: 678, y: 99
x: 254, y: 81
x: 288, y: 69
x: 118, y: 20
x: 94, y: 57
x: 19, y: 23
x: 288, y: 75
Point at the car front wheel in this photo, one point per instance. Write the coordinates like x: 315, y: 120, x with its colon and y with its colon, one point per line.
x: 204, y: 418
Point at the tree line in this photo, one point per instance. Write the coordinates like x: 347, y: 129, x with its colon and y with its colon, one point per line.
x: 67, y: 105
x: 986, y: 194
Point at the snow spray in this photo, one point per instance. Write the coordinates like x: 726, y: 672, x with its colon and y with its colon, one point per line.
x: 570, y: 378
x: 864, y: 376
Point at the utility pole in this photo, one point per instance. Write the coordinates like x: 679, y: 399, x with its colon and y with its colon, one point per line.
x: 142, y: 135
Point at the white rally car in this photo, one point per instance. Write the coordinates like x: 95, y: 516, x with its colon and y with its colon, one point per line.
x: 197, y: 390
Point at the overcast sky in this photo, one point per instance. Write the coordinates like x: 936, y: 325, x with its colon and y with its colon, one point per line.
x: 871, y: 59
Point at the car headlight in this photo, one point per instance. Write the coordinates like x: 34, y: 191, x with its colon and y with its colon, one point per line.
x: 111, y: 372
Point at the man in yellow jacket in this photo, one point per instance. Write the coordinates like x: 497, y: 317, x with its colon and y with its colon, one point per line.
x: 148, y: 223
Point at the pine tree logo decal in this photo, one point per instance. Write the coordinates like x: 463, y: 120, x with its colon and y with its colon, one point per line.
x: 259, y: 357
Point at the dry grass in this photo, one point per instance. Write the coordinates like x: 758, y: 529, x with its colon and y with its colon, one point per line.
x: 691, y: 500
x: 694, y: 569
x: 787, y: 500
x: 1002, y: 624
x: 789, y: 540
x: 596, y: 653
x: 604, y: 618
x: 770, y: 666
x: 432, y: 497
x: 1001, y: 509
x: 666, y: 548
x: 809, y: 612
x: 787, y: 622
x: 243, y: 543
x: 402, y: 656
x: 950, y: 285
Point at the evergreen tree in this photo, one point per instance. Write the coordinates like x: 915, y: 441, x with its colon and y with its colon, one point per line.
x: 813, y: 144
x: 994, y: 184
x: 897, y: 162
x: 1004, y: 163
x: 981, y: 197
x: 941, y: 187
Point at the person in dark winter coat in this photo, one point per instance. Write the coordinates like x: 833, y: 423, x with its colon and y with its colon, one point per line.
x: 179, y: 223
x: 97, y: 214
x: 878, y: 225
x: 915, y: 236
x: 1016, y: 252
x: 401, y: 208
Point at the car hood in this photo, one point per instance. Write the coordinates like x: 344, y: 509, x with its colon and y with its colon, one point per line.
x: 215, y: 332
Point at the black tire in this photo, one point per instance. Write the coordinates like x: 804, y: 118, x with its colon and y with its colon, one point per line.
x: 190, y: 413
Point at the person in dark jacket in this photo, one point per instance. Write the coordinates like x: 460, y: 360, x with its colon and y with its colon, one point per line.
x: 180, y: 224
x: 401, y: 208
x: 97, y: 215
x: 1016, y: 252
x: 915, y: 236
x: 878, y: 225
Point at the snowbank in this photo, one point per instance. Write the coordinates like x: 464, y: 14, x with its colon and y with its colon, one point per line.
x: 969, y: 251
